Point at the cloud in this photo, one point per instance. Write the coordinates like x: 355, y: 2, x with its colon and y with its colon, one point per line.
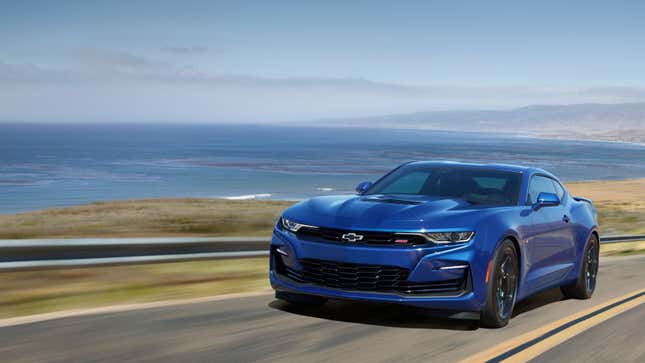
x: 107, y: 85
x: 193, y: 49
x: 28, y: 73
x: 101, y: 58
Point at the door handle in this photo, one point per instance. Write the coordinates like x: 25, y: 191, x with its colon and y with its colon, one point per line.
x: 565, y: 219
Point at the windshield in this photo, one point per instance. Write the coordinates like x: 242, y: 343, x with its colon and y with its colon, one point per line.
x: 472, y: 184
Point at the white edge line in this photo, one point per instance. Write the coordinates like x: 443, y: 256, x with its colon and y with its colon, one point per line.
x: 123, y: 308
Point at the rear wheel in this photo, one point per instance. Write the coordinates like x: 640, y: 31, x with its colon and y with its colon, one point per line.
x: 300, y: 299
x: 584, y: 287
x: 501, y: 289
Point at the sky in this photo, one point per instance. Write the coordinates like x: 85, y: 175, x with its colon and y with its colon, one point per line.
x: 284, y: 61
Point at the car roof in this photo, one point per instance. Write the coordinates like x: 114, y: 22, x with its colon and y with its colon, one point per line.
x: 494, y: 166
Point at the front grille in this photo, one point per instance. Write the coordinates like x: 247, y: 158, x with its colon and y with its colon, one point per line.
x: 369, y: 237
x: 363, y: 277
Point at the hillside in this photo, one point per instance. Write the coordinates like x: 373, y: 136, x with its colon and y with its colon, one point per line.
x: 613, y: 122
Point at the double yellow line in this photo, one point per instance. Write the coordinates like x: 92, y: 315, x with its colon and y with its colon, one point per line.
x: 538, y: 341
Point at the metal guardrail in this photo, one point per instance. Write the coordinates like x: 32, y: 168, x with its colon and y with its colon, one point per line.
x: 616, y: 239
x: 31, y: 254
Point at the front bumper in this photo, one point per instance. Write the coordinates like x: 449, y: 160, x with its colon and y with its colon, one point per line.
x: 425, y: 265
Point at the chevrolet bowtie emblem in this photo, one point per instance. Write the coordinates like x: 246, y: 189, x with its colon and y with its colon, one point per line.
x: 351, y: 237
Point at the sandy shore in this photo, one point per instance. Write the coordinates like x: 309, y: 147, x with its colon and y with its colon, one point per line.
x: 620, y: 204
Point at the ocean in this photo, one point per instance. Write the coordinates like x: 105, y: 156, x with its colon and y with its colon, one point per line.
x: 54, y: 165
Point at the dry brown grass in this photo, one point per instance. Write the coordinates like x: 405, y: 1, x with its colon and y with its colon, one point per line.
x: 33, y: 292
x: 147, y: 217
x: 620, y: 204
x: 630, y: 191
x: 622, y: 248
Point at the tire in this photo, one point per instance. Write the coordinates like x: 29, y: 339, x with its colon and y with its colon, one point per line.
x: 584, y: 287
x: 501, y: 290
x: 300, y: 299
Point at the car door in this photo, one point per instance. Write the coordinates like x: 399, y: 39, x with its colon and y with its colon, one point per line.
x: 568, y: 253
x: 550, y: 244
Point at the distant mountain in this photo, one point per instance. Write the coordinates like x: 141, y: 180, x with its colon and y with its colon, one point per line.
x: 615, y: 122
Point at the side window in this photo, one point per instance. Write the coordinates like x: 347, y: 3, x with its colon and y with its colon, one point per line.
x: 540, y: 184
x: 559, y: 189
x: 491, y: 182
x: 407, y: 184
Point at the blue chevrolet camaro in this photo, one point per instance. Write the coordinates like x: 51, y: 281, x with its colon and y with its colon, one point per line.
x: 469, y: 239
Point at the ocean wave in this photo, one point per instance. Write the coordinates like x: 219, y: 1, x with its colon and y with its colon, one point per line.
x: 248, y: 196
x: 16, y: 182
x: 325, y: 189
x: 302, y: 167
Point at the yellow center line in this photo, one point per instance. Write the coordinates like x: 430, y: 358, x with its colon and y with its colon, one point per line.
x: 551, y: 341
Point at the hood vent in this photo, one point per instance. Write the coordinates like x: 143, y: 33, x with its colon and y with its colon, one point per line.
x: 392, y: 200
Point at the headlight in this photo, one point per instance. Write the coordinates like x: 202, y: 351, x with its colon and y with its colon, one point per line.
x: 293, y: 226
x: 450, y: 237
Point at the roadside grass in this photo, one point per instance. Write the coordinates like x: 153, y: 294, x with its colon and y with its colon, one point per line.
x: 35, y: 292
x: 618, y: 218
x: 620, y: 204
x: 147, y: 218
x: 622, y: 248
x: 211, y: 217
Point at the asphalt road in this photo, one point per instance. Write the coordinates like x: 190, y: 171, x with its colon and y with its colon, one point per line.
x: 262, y: 329
x: 619, y: 339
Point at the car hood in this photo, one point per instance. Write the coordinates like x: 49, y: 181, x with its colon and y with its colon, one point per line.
x: 388, y: 212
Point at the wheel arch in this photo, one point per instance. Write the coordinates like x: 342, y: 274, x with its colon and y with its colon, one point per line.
x: 581, y: 249
x: 515, y: 240
x: 583, y: 244
x: 511, y: 236
x: 518, y: 250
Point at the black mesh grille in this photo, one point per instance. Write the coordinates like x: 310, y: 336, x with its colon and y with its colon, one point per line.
x: 369, y: 237
x: 377, y: 278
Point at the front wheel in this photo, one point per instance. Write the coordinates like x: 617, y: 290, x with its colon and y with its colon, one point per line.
x: 501, y: 289
x: 584, y: 287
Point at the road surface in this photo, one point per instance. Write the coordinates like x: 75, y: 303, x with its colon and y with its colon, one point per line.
x: 260, y: 328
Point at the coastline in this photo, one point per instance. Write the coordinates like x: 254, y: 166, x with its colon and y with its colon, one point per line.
x: 620, y: 205
x: 585, y: 139
x: 527, y: 134
x: 243, y: 162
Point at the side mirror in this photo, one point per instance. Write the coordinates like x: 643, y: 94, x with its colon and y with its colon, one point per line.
x: 363, y: 187
x: 546, y: 200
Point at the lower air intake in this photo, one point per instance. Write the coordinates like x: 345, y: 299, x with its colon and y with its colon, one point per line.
x: 363, y: 277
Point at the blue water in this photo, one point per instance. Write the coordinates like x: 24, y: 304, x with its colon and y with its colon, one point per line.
x: 57, y: 165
